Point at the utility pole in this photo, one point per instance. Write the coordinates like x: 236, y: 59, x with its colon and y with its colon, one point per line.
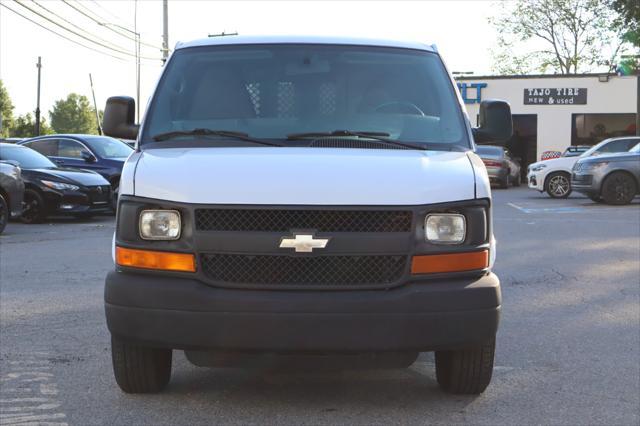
x: 135, y: 30
x: 95, y: 106
x: 165, y: 30
x: 39, y: 65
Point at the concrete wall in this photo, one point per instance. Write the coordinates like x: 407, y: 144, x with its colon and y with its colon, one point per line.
x: 618, y: 95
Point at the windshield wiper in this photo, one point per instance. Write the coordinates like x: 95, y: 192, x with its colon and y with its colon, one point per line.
x: 379, y: 136
x: 210, y: 132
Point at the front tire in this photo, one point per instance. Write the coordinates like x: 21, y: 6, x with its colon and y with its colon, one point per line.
x: 140, y: 369
x: 4, y: 213
x: 34, y: 207
x: 619, y: 188
x: 558, y: 185
x: 466, y: 371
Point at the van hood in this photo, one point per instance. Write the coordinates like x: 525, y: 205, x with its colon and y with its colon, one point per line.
x: 303, y: 176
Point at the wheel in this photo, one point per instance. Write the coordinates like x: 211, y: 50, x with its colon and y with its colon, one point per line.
x: 34, y: 207
x: 558, y: 185
x: 619, y: 188
x: 140, y: 369
x: 466, y: 371
x: 504, y: 183
x: 4, y: 213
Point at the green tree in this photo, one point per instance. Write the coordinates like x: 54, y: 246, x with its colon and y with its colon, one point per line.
x: 628, y: 24
x: 560, y: 36
x: 73, y: 115
x: 6, y: 111
x: 25, y: 127
x: 628, y: 19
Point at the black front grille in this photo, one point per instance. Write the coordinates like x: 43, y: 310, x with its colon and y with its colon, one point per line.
x: 270, y: 270
x: 319, y: 220
x: 100, y: 194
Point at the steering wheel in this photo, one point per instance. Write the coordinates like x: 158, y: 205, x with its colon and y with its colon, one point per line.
x: 400, y: 103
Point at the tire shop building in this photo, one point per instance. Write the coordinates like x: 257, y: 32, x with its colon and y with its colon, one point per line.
x: 552, y: 112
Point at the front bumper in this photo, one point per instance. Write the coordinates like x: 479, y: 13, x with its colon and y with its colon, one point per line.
x: 535, y: 181
x: 183, y: 313
x: 497, y: 174
x: 584, y: 183
x: 16, y: 198
x: 82, y: 201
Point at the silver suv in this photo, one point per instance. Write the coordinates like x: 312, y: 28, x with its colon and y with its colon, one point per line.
x: 613, y: 178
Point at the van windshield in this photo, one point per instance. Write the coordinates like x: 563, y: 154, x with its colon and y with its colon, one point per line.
x: 271, y: 91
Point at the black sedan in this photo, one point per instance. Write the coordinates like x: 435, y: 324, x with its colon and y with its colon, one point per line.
x: 53, y: 190
x: 100, y: 154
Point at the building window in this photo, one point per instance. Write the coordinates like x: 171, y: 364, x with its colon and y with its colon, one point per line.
x: 589, y: 129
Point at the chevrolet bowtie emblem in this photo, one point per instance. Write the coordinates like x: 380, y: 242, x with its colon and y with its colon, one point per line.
x: 303, y: 243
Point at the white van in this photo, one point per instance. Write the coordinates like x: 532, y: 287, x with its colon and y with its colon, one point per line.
x: 304, y: 196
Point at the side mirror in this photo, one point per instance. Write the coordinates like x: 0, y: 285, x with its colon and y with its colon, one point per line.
x: 496, y: 126
x: 88, y: 157
x: 119, y: 118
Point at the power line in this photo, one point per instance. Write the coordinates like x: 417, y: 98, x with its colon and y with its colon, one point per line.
x: 113, y: 15
x: 76, y: 26
x: 86, y: 12
x: 77, y: 34
x: 62, y: 36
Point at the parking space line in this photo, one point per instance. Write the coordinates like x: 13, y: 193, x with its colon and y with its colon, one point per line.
x: 566, y: 209
x: 517, y: 207
x: 29, y: 395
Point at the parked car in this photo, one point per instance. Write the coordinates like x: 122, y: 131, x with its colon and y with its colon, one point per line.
x: 501, y: 166
x: 50, y: 189
x: 100, y: 154
x: 554, y: 176
x: 613, y: 178
x: 11, y: 191
x: 304, y: 196
x: 575, y: 151
x: 11, y: 140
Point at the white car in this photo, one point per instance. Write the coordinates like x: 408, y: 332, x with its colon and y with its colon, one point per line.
x: 554, y: 176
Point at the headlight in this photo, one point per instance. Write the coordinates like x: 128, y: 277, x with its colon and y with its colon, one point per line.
x: 537, y: 167
x: 160, y: 225
x: 60, y: 185
x: 445, y: 228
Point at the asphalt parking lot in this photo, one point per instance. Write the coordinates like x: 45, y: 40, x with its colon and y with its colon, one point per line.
x: 568, y: 348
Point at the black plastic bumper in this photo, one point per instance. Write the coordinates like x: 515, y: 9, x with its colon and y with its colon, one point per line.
x: 183, y: 313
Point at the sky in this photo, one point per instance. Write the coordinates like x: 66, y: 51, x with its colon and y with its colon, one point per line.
x: 459, y: 28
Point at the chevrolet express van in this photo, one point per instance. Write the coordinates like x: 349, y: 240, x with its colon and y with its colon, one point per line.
x: 306, y: 197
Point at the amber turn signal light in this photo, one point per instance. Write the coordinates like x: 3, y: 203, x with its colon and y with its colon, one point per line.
x: 455, y: 262
x: 161, y: 260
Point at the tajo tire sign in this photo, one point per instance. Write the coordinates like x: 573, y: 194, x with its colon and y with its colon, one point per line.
x: 555, y: 96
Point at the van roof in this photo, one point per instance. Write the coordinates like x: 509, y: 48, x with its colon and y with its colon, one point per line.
x: 224, y: 40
